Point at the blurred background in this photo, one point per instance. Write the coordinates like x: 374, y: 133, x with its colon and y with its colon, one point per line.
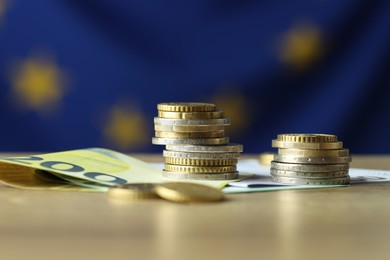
x: 89, y: 73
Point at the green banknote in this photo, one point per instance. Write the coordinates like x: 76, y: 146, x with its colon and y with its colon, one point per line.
x: 92, y: 169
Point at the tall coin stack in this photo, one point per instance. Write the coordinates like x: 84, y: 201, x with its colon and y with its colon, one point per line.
x: 196, y: 146
x: 310, y: 159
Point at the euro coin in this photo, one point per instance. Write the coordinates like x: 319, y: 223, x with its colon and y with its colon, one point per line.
x: 266, y: 158
x: 199, y: 169
x: 200, y: 162
x: 200, y: 155
x: 192, y: 141
x: 312, y: 160
x: 186, y: 107
x: 189, y: 128
x: 309, y: 167
x: 307, y: 138
x: 203, y: 176
x: 297, y: 174
x: 228, y: 148
x: 297, y: 145
x: 133, y: 191
x: 191, y: 115
x: 188, y: 122
x: 311, y: 181
x: 216, y: 134
x: 188, y: 192
x: 314, y: 153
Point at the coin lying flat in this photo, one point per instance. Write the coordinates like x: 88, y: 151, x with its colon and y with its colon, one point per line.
x: 133, y: 191
x: 307, y: 138
x: 200, y: 162
x: 186, y: 107
x: 236, y: 148
x: 311, y: 181
x: 203, y: 176
x: 188, y: 192
x: 296, y: 174
x: 191, y: 115
x: 312, y: 160
x: 193, y: 141
x: 299, y: 145
x: 200, y: 155
x: 170, y: 121
x: 189, y: 128
x: 199, y: 169
x: 266, y: 158
x: 216, y: 134
x: 314, y: 153
x: 309, y: 167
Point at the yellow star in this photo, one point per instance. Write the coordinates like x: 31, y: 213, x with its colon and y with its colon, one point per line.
x: 38, y: 83
x: 235, y: 106
x: 301, y: 46
x: 126, y: 128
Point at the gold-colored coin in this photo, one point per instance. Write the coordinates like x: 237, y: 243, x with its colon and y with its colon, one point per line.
x: 189, y: 128
x: 266, y: 158
x: 296, y: 145
x: 200, y: 162
x: 186, y: 107
x: 200, y: 176
x: 188, y: 192
x: 192, y: 141
x: 314, y: 153
x: 191, y: 115
x: 133, y: 191
x: 216, y: 134
x: 307, y: 138
x: 199, y: 169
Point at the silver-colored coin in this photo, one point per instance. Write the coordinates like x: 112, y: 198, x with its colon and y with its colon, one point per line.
x: 309, y: 167
x: 299, y: 145
x: 311, y: 181
x: 297, y: 174
x: 200, y: 155
x: 189, y: 128
x: 312, y: 160
x: 188, y: 122
x: 192, y: 141
x: 313, y: 153
x: 229, y: 148
x: 200, y: 176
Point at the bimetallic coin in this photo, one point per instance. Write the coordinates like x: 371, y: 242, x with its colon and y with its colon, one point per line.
x: 309, y: 167
x: 188, y: 192
x: 229, y: 148
x: 296, y: 145
x: 200, y: 176
x: 133, y: 191
x: 307, y: 138
x: 296, y: 174
x: 192, y: 141
x: 266, y: 158
x: 189, y: 128
x: 199, y: 169
x: 311, y: 181
x: 312, y: 160
x: 200, y: 155
x: 216, y: 134
x: 191, y: 115
x: 191, y: 122
x: 200, y: 162
x: 313, y: 153
x: 186, y: 107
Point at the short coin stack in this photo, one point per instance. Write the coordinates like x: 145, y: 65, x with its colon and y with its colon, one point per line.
x: 196, y: 146
x: 310, y: 159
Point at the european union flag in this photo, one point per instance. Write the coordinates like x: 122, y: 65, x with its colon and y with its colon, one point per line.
x: 82, y: 73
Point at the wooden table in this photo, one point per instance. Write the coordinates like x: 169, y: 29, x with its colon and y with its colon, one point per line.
x: 337, y: 223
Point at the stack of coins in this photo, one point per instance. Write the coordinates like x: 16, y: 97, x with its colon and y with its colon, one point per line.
x: 310, y: 159
x: 196, y: 146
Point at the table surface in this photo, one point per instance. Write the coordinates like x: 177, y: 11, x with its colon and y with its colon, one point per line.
x: 339, y: 223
